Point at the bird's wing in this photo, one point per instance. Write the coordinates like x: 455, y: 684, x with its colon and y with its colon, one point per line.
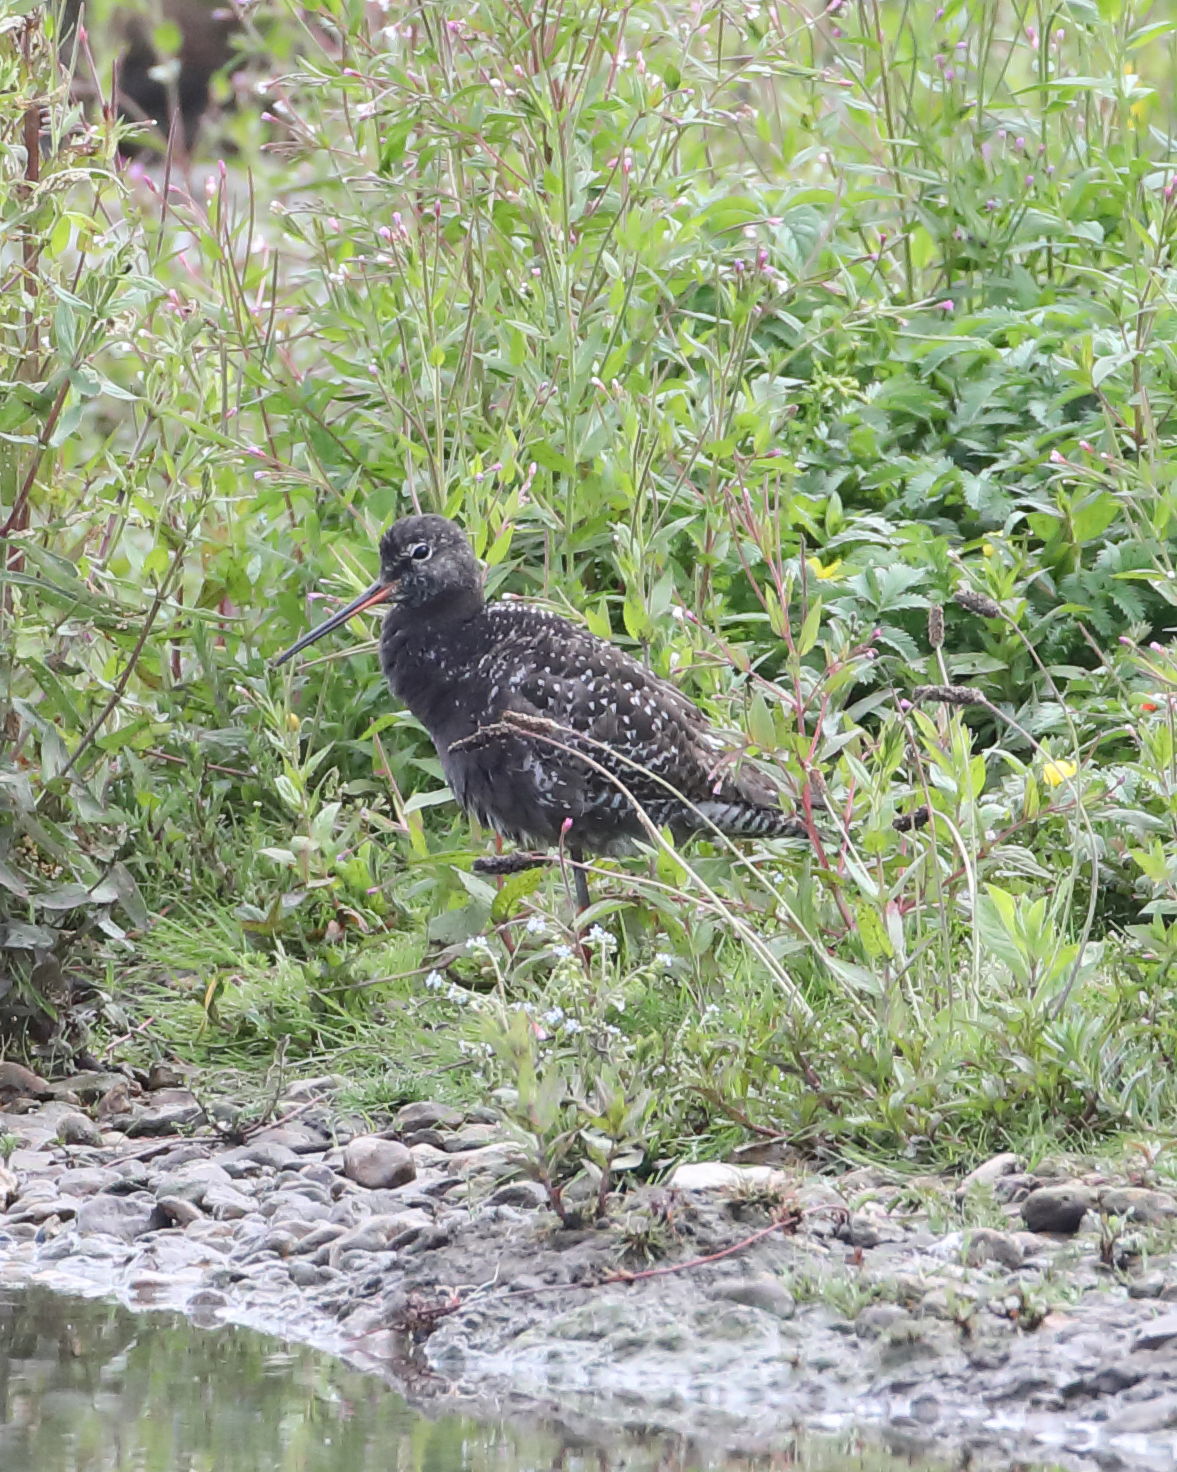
x: 544, y: 666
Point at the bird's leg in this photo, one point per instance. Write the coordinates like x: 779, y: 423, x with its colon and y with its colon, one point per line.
x: 579, y: 879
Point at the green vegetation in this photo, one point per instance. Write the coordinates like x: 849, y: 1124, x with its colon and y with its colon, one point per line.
x: 829, y: 362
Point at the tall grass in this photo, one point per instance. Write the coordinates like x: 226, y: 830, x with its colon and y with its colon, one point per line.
x: 752, y: 337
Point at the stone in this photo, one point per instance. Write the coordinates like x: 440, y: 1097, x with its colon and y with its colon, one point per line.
x: 759, y: 1291
x: 18, y: 1082
x: 715, y: 1175
x: 380, y: 1234
x: 170, y: 1111
x: 86, y: 1087
x: 378, y: 1164
x: 1138, y: 1204
x: 877, y: 1319
x: 292, y: 1208
x: 1158, y: 1414
x: 1058, y: 1209
x: 124, y: 1217
x: 490, y: 1163
x: 320, y: 1236
x: 425, y: 1115
x: 9, y: 1187
x: 76, y: 1129
x: 471, y: 1137
x: 178, y: 1211
x: 308, y: 1274
x: 192, y: 1181
x: 115, y: 1103
x: 225, y: 1203
x: 163, y: 1075
x: 85, y: 1180
x: 985, y: 1175
x: 527, y: 1194
x: 302, y: 1139
x: 984, y: 1244
x: 263, y: 1155
x: 1157, y: 1333
x: 322, y: 1087
x: 207, y: 1298
x: 1151, y: 1285
x: 1014, y: 1187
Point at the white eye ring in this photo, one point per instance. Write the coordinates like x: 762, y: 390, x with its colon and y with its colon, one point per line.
x: 422, y: 552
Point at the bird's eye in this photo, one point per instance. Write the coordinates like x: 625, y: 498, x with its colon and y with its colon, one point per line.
x: 422, y: 552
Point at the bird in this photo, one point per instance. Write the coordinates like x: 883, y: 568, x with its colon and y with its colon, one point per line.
x: 547, y: 734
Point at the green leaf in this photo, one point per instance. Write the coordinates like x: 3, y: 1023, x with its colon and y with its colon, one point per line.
x: 515, y: 887
x: 873, y: 933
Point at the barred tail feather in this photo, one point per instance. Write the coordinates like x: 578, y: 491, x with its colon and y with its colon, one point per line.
x: 750, y: 820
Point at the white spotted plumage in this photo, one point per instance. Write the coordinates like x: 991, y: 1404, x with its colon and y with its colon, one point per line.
x: 606, y: 733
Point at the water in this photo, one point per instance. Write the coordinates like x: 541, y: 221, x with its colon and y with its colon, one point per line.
x: 86, y: 1386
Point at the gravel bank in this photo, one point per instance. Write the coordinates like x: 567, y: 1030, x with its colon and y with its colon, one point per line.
x: 1009, y: 1315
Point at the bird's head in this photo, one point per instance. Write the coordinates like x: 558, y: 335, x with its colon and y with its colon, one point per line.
x: 426, y: 568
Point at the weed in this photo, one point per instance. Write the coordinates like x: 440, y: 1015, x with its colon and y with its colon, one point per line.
x: 822, y: 361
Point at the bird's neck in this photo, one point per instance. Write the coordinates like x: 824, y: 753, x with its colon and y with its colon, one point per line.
x: 440, y: 617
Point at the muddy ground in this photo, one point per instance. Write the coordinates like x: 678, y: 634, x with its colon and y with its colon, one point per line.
x: 1013, y: 1316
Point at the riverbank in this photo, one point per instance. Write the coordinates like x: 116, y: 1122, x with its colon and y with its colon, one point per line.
x: 1025, y: 1314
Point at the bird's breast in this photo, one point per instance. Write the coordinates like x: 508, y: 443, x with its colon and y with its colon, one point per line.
x: 435, y: 674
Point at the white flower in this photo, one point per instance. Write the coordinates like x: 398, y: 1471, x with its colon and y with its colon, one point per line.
x: 554, y: 1016
x: 572, y: 1027
x: 664, y: 958
x: 601, y: 937
x: 561, y: 952
x: 536, y: 925
x: 478, y: 944
x: 457, y: 994
x: 434, y: 980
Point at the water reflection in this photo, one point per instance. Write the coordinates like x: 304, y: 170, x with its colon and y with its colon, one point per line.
x: 88, y: 1387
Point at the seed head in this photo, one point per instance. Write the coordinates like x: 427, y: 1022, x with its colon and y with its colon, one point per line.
x: 977, y: 603
x: 949, y: 694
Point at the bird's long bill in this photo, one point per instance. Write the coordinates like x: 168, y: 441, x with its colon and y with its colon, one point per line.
x: 369, y: 598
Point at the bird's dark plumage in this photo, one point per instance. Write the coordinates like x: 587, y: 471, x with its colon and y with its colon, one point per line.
x: 533, y: 716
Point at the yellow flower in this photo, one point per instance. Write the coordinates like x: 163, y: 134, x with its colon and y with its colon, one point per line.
x: 821, y: 571
x: 1054, y: 774
x: 987, y: 549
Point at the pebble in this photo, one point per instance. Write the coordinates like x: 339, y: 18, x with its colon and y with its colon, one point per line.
x: 984, y: 1244
x: 170, y: 1111
x: 988, y: 1173
x: 1138, y: 1204
x: 298, y: 1228
x: 224, y: 1203
x: 178, y: 1211
x: 125, y: 1217
x: 18, y: 1082
x: 424, y: 1115
x: 1157, y: 1333
x: 1058, y: 1209
x: 714, y: 1175
x: 77, y: 1129
x: 760, y: 1291
x: 377, y: 1163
